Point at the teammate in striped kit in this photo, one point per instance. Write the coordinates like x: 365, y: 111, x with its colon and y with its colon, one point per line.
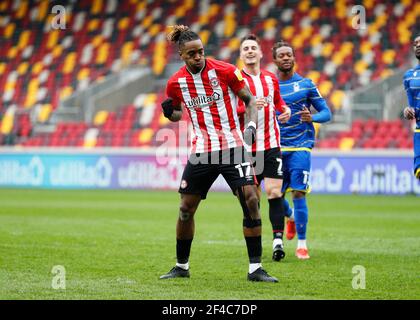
x: 208, y: 90
x: 412, y: 88
x: 266, y: 150
x: 297, y: 139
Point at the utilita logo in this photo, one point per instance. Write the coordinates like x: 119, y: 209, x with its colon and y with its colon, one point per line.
x: 203, y: 101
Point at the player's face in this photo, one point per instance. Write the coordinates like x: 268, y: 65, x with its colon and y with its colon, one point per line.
x: 192, y: 52
x: 416, y: 47
x: 285, y: 59
x: 250, y: 52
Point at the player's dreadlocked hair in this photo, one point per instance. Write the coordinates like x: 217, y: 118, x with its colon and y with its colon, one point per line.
x: 181, y: 34
x: 280, y: 44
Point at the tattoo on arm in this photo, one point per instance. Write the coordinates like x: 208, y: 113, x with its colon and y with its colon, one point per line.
x: 249, y: 100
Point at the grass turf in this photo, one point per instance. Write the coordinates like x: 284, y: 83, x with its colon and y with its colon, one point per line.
x: 115, y: 244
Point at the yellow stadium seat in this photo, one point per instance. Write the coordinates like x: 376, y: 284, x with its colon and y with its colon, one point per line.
x: 337, y: 99
x: 83, y: 74
x: 315, y: 40
x: 360, y: 67
x: 66, y: 92
x: 93, y: 25
x: 2, y: 67
x: 327, y: 49
x: 388, y: 56
x: 57, y: 51
x: 42, y: 10
x: 189, y: 4
x: 270, y: 24
x: 154, y: 29
x: 97, y: 41
x: 22, y: 10
x: 304, y: 5
x: 145, y: 135
x: 89, y: 143
x: 10, y: 85
x: 287, y: 32
x: 22, y: 68
x: 150, y: 99
x: 346, y: 143
x: 325, y: 87
x: 297, y: 41
x: 96, y: 6
x: 12, y: 53
x: 103, y: 52
x: 254, y: 3
x: 204, y: 36
x: 100, y: 118
x: 365, y: 47
x: 163, y: 121
x: 37, y: 67
x: 386, y: 73
x: 69, y: 63
x: 141, y: 6
x: 24, y: 39
x: 230, y: 25
x: 52, y: 38
x: 214, y: 9
x: 315, y: 13
x: 338, y: 58
x: 124, y: 23
x: 7, y: 122
x: 3, y: 6
x: 340, y: 9
x: 368, y: 4
x: 317, y: 127
x: 9, y: 30
x: 44, y: 113
x: 126, y: 52
x: 314, y: 76
x: 234, y: 44
x: 306, y: 32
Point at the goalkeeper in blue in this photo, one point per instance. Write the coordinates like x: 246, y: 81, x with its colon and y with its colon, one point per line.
x: 412, y: 88
x: 297, y: 140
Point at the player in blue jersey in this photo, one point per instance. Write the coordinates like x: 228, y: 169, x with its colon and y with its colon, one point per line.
x: 297, y: 139
x: 412, y: 87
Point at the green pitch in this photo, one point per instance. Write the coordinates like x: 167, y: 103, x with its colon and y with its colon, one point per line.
x: 115, y: 245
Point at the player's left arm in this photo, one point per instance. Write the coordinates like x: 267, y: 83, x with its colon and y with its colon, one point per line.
x: 318, y: 102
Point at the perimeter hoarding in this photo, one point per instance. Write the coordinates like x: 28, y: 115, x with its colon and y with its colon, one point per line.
x: 364, y: 172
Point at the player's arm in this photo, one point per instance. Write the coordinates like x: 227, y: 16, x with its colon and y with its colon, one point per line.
x: 409, y: 112
x: 318, y: 102
x: 171, y: 107
x: 252, y: 114
x: 172, y: 110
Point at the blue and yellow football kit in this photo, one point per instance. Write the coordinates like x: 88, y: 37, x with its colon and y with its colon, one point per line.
x: 297, y: 137
x: 412, y: 88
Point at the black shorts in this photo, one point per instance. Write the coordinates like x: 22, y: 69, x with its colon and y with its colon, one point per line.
x: 267, y: 164
x: 203, y: 169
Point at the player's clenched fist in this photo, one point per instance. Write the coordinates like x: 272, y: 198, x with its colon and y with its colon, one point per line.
x: 167, y: 107
x: 250, y: 133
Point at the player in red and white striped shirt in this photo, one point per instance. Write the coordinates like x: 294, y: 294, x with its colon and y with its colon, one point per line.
x: 208, y: 90
x: 266, y: 150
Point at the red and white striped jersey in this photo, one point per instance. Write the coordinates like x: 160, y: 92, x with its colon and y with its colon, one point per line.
x: 210, y: 97
x: 264, y: 85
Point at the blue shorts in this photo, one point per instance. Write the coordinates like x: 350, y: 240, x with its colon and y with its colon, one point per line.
x: 296, y: 170
x: 416, y: 151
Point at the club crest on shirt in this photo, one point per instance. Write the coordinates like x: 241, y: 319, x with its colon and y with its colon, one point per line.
x: 269, y: 99
x: 296, y: 87
x: 214, y: 82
